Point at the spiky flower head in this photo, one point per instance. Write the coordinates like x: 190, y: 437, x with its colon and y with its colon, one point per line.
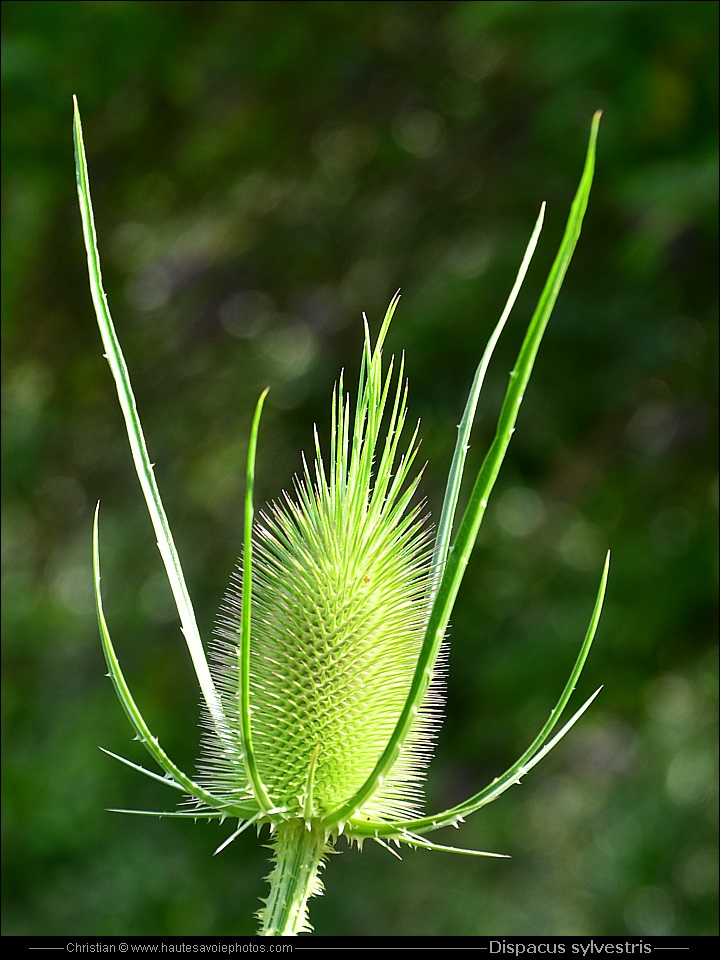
x: 339, y: 607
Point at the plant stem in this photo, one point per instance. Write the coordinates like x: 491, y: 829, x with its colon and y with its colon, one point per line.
x: 300, y: 851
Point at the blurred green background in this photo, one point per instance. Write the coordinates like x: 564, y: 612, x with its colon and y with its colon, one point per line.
x: 262, y: 172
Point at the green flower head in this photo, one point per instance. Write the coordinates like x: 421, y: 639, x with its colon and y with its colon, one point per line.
x: 339, y: 579
x: 323, y: 688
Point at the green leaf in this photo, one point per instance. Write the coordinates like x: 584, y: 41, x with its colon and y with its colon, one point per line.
x: 538, y: 749
x: 457, y: 467
x: 244, y: 652
x: 143, y: 466
x: 142, y: 730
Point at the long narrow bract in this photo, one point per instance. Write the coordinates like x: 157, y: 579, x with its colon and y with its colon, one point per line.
x: 143, y: 465
x: 457, y: 467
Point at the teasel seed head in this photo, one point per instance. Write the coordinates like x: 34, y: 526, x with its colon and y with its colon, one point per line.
x: 339, y: 607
